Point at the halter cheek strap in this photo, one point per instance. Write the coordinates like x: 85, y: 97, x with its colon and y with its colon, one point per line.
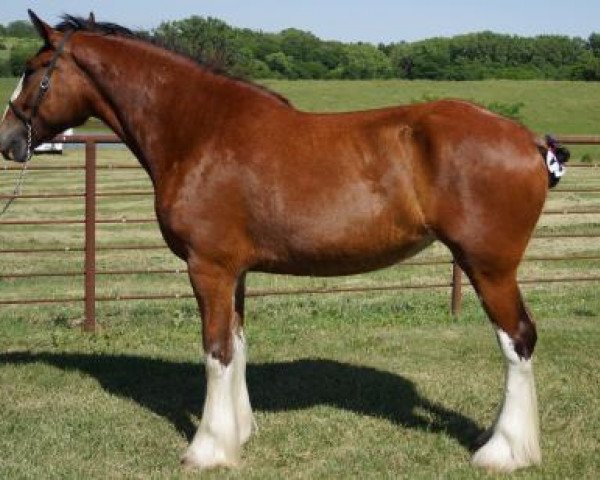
x: 44, y: 85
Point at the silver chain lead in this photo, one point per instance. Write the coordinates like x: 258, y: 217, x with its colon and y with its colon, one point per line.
x: 27, y: 120
x: 20, y: 180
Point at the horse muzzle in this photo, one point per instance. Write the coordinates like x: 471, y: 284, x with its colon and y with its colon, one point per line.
x: 13, y: 144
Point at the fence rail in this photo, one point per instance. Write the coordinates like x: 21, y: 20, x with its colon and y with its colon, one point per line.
x: 89, y: 248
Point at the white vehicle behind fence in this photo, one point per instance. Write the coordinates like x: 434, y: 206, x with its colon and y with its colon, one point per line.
x: 53, y: 147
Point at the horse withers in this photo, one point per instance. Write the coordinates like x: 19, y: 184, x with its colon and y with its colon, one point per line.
x: 245, y: 182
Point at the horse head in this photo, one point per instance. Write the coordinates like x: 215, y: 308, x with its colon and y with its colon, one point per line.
x: 53, y: 95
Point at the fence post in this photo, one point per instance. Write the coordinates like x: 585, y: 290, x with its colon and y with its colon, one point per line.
x: 89, y: 324
x: 456, y: 289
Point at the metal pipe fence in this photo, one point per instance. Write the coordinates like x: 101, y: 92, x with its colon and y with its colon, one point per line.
x: 90, y: 249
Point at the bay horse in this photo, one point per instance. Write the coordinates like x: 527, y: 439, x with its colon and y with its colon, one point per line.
x: 245, y: 182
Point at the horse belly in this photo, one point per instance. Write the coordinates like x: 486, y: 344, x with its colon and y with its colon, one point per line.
x: 330, y: 264
x: 331, y: 241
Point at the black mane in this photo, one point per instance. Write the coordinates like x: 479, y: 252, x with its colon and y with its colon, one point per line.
x: 74, y: 23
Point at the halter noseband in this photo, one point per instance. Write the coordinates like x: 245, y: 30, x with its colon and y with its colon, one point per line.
x: 43, y: 88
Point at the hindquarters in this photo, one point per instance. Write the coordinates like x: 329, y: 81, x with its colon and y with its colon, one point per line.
x: 485, y: 189
x: 486, y: 184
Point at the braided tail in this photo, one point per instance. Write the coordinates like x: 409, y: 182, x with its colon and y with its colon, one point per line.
x: 554, y: 156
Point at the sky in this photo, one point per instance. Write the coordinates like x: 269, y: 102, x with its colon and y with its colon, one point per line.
x: 345, y: 20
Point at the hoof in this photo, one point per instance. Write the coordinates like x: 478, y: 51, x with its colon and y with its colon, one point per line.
x: 247, y: 428
x: 192, y: 462
x: 500, y: 456
x: 206, y: 456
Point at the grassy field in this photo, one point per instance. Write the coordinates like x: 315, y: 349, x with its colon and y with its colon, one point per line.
x: 554, y: 107
x: 548, y: 106
x: 370, y: 385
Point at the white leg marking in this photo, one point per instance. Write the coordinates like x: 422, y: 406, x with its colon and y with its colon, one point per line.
x: 227, y: 418
x: 514, y: 442
x: 245, y: 418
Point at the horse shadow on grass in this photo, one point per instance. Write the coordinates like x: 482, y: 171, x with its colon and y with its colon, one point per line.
x: 175, y: 390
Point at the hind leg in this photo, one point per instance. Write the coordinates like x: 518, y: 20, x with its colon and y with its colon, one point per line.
x: 513, y: 440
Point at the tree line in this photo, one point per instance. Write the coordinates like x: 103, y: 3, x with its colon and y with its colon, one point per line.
x: 298, y: 54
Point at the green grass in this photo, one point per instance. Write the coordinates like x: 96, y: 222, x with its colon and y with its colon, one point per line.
x: 357, y: 386
x: 548, y: 106
x: 560, y: 107
x: 369, y: 385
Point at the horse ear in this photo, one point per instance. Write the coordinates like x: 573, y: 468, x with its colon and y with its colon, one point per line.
x: 44, y: 30
x: 91, y: 20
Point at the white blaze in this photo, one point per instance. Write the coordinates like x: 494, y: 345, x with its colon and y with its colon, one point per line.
x: 14, y: 95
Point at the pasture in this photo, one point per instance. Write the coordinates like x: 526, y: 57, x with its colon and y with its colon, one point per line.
x: 367, y: 385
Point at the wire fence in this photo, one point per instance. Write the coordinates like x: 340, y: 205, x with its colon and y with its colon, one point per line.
x: 89, y: 272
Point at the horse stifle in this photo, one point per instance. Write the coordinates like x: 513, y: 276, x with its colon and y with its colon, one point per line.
x: 245, y: 182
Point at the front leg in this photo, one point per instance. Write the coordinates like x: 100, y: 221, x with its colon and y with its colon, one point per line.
x: 227, y: 417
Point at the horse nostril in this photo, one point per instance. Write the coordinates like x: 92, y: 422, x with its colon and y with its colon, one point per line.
x: 4, y: 150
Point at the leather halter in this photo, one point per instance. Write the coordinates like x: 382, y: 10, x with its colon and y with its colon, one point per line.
x: 43, y: 88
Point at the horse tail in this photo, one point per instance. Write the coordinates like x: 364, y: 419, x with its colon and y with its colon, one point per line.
x: 554, y: 156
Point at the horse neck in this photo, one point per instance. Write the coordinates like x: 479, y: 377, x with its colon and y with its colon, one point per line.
x: 160, y: 104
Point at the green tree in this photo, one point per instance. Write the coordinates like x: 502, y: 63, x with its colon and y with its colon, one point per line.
x: 587, y: 69
x: 295, y: 53
x: 363, y: 60
x: 311, y: 57
x: 594, y: 44
x: 282, y: 65
x: 300, y: 45
x: 488, y: 55
x: 258, y: 69
x: 19, y: 55
x: 5, y: 70
x: 20, y: 29
x: 209, y: 40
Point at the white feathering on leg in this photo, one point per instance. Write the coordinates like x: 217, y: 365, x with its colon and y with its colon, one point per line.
x: 243, y: 409
x: 217, y: 441
x: 514, y: 442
